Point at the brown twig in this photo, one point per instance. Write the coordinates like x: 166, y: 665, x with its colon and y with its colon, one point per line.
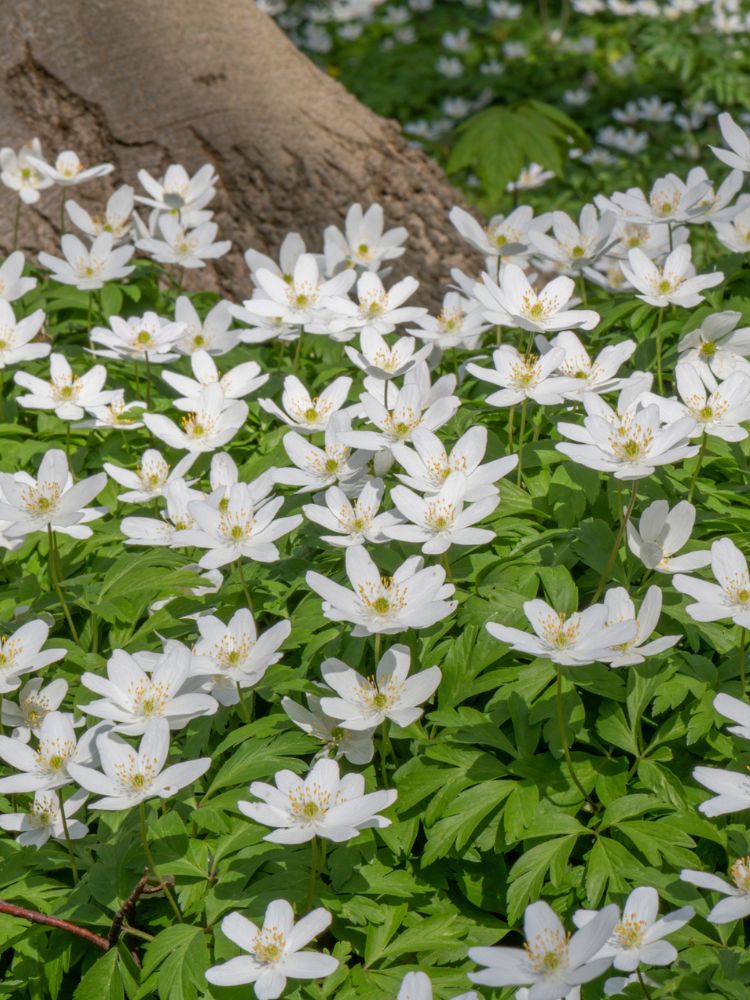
x: 41, y: 918
x: 127, y: 909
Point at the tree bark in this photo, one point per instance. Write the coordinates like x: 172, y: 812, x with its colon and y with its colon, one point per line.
x: 145, y: 84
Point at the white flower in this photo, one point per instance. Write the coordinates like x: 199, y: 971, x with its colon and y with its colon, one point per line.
x: 620, y: 608
x: 47, y: 766
x: 716, y: 347
x: 718, y: 414
x: 513, y: 302
x: 379, y: 360
x: 729, y: 597
x: 441, y: 520
x: 212, y: 581
x: 363, y: 243
x: 353, y: 744
x: 292, y: 248
x: 552, y: 960
x: 631, y: 441
x: 236, y: 383
x: 176, y: 190
x: 525, y: 376
x: 737, y: 711
x: 12, y: 283
x: 211, y: 334
x: 533, y: 176
x: 638, y: 936
x: 67, y: 170
x: 323, y: 804
x: 15, y: 336
x: 377, y: 310
x: 737, y: 904
x: 504, y: 237
x: 67, y: 394
x: 19, y: 174
x: 117, y: 414
x: 273, y: 952
x: 211, y: 425
x: 598, y: 375
x: 417, y: 986
x: 354, y: 523
x: 34, y: 705
x: 458, y: 325
x: 151, y: 478
x: 714, y: 205
x: 117, y: 218
x: 428, y: 464
x: 21, y: 653
x: 306, y: 413
x: 86, y: 268
x: 366, y: 702
x: 166, y: 529
x: 133, y: 699
x: 245, y: 527
x: 42, y: 820
x: 676, y: 283
x: 317, y: 468
x: 128, y: 777
x: 738, y: 154
x: 414, y: 597
x: 581, y: 638
x: 734, y: 234
x: 49, y: 500
x: 670, y: 200
x: 138, y: 338
x: 301, y: 300
x: 188, y: 248
x: 661, y: 533
x: 234, y: 656
x: 573, y: 247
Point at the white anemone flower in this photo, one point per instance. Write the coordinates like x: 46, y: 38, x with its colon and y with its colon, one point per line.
x: 133, y: 699
x: 379, y: 360
x: 166, y: 529
x: 715, y: 204
x: 638, y: 935
x: 569, y: 640
x: 718, y: 409
x: 417, y: 986
x: 43, y: 820
x: 21, y: 653
x: 20, y: 175
x: 16, y: 336
x: 13, y: 285
x: 524, y: 376
x: 354, y: 745
x: 441, y: 520
x: 301, y: 300
x: 152, y: 476
x: 734, y: 234
x: 504, y: 237
x: 736, y: 710
x: 670, y: 200
x: 234, y: 656
x: 51, y: 500
x: 366, y: 702
x: 35, y: 702
x: 377, y: 310
x: 138, y: 338
x: 355, y: 521
x: 428, y: 464
x: 210, y: 334
x: 273, y: 953
x: 47, y: 766
x: 236, y: 383
x: 292, y: 248
x: 88, y: 268
x: 716, y: 347
x: 620, y: 608
x: 116, y: 414
x: 67, y: 394
x: 738, y: 154
x: 323, y: 804
x: 117, y: 218
x: 336, y: 463
x: 414, y: 597
x: 552, y: 961
x: 211, y: 425
x: 675, y: 283
x: 177, y: 190
x: 736, y: 905
x: 661, y: 533
x: 129, y: 777
x: 67, y: 170
x: 303, y: 412
x: 597, y: 375
x: 729, y: 597
x: 363, y: 243
x: 189, y: 248
x: 458, y: 326
x: 513, y: 302
x: 571, y: 246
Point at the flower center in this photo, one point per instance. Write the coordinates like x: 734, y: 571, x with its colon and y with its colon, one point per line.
x: 548, y: 952
x: 269, y: 945
x: 629, y: 932
x: 740, y: 872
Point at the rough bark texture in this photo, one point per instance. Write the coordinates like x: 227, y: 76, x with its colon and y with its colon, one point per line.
x: 145, y: 84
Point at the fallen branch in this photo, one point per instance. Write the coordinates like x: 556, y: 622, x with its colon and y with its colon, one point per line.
x: 127, y: 909
x: 64, y: 925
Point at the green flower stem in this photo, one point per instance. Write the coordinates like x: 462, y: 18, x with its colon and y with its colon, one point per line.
x: 68, y: 841
x: 642, y: 981
x: 246, y: 704
x: 696, y: 471
x: 152, y: 865
x: 314, y: 863
x: 562, y: 723
x: 245, y: 588
x: 521, y: 435
x: 385, y: 752
x: 511, y: 417
x: 659, y: 374
x: 604, y: 578
x: 741, y: 659
x: 298, y: 351
x: 378, y: 640
x: 54, y: 565
x: 148, y: 380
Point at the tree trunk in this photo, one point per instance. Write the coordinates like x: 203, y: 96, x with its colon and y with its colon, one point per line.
x: 146, y: 83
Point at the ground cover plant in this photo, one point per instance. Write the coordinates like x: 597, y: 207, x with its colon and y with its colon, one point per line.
x: 354, y: 651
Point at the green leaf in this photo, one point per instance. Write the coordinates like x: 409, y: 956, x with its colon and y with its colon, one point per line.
x: 103, y: 981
